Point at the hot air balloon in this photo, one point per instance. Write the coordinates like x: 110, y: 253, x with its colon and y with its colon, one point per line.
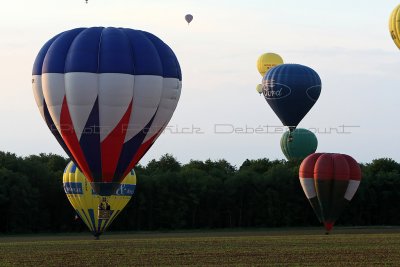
x: 85, y: 201
x: 291, y: 90
x: 329, y: 181
x: 259, y: 88
x: 299, y: 144
x: 264, y: 63
x: 267, y: 61
x: 188, y: 18
x: 106, y: 94
x: 394, y: 26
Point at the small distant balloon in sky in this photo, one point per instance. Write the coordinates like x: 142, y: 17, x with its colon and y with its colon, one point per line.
x: 188, y: 18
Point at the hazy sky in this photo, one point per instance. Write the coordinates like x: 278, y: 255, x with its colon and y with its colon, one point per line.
x: 346, y: 42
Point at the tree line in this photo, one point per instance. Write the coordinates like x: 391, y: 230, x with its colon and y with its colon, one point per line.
x: 197, y: 195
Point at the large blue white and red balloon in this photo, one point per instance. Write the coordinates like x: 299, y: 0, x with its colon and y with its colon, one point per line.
x: 106, y: 94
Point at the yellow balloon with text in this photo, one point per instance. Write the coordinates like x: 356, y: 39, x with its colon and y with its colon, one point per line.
x: 85, y: 201
x: 394, y: 26
x: 267, y: 61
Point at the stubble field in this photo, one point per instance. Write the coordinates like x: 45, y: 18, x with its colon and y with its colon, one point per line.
x: 266, y: 247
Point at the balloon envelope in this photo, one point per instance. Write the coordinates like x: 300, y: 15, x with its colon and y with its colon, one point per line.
x: 394, y: 26
x: 106, y: 94
x: 85, y: 201
x: 329, y: 181
x: 299, y: 144
x: 188, y: 18
x: 267, y: 61
x: 259, y: 88
x: 291, y: 90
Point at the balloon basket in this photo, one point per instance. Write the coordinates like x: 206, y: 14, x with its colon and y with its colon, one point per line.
x: 104, y: 214
x: 104, y: 211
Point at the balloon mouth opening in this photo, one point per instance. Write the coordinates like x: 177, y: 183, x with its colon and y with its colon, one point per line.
x: 104, y: 189
x: 328, y: 226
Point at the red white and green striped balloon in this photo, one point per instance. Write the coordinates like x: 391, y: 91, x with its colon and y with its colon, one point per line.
x: 329, y: 181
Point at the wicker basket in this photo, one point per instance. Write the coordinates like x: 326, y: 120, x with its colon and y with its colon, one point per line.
x: 104, y: 214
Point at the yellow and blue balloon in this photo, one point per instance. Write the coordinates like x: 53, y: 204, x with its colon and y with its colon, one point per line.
x: 85, y: 201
